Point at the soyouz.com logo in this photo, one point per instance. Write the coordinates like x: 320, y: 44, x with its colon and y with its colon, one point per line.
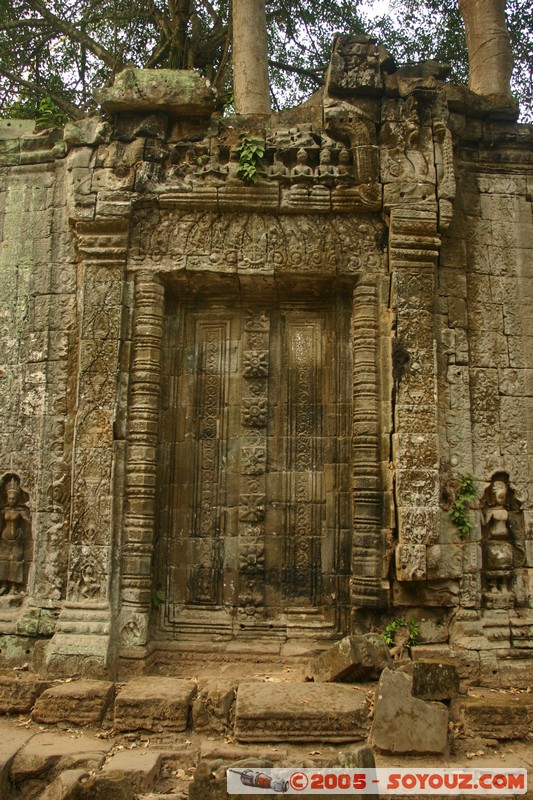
x: 481, y: 781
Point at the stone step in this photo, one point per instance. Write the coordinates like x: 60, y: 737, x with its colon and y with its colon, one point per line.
x: 11, y: 741
x: 77, y: 702
x: 283, y: 712
x: 19, y: 693
x: 140, y: 767
x: 52, y: 752
x: 494, y: 714
x: 154, y: 704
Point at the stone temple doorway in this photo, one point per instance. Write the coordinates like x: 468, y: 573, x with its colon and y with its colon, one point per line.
x: 254, y: 521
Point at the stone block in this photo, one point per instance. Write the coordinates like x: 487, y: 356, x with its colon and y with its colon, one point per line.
x: 181, y: 93
x: 77, y: 702
x: 517, y: 673
x: 18, y: 694
x: 211, y: 710
x: 46, y: 751
x: 494, y: 715
x: 88, y: 131
x: 406, y: 724
x: 154, y: 704
x: 210, y: 779
x: 359, y: 756
x: 65, y: 786
x: 267, y: 712
x: 105, y: 787
x: 435, y: 680
x: 139, y: 767
x: 354, y: 658
x: 11, y: 741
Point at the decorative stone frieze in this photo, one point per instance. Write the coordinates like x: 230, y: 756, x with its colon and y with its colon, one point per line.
x: 233, y: 411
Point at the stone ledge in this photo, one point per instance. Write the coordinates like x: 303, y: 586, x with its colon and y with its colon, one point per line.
x: 154, y: 704
x: 77, y: 702
x: 267, y: 712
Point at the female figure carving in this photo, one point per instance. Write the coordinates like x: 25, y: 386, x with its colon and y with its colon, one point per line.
x: 14, y: 521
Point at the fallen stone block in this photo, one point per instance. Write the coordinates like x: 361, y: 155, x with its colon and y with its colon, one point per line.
x: 178, y: 92
x: 77, y: 702
x: 435, y: 680
x: 210, y: 778
x: 18, y: 694
x: 11, y: 741
x: 494, y: 715
x: 140, y: 767
x: 105, y: 787
x: 211, y: 710
x: 354, y: 658
x: 65, y: 786
x: 47, y: 751
x: 154, y: 704
x: 267, y: 712
x: 406, y: 724
x: 358, y: 757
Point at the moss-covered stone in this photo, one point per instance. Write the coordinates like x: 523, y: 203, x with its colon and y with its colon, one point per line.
x: 177, y: 92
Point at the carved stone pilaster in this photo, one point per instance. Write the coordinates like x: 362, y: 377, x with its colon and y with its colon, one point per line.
x: 414, y: 247
x: 254, y: 412
x: 84, y: 646
x: 367, y: 555
x: 136, y: 590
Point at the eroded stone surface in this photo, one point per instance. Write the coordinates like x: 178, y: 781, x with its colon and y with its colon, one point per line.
x: 435, y: 680
x: 45, y: 751
x: 268, y: 712
x: 139, y: 767
x: 18, y: 694
x: 77, y: 702
x: 354, y: 658
x: 12, y: 740
x: 65, y: 786
x: 180, y: 92
x: 494, y: 714
x: 211, y: 709
x: 403, y: 723
x: 154, y: 704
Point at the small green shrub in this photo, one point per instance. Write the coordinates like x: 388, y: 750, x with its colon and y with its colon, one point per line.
x: 251, y: 152
x: 49, y: 115
x: 458, y: 512
x: 159, y: 597
x: 412, y: 627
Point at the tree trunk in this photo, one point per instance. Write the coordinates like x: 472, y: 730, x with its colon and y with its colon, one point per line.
x: 250, y: 57
x: 489, y: 49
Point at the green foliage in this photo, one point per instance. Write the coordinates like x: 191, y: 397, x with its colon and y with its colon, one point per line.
x: 418, y: 30
x: 465, y: 493
x: 251, y: 152
x: 412, y: 626
x: 159, y: 596
x: 49, y: 115
x: 64, y: 50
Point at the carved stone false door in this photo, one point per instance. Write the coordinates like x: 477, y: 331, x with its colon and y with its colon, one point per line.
x: 254, y: 518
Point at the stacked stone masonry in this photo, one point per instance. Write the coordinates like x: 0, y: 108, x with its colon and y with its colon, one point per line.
x: 238, y: 415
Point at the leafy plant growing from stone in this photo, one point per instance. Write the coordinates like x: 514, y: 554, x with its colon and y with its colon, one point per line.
x: 458, y: 511
x: 49, y: 115
x: 159, y: 596
x: 400, y: 633
x: 251, y: 153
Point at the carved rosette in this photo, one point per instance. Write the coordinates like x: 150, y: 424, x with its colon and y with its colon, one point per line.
x: 253, y: 459
x: 141, y: 458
